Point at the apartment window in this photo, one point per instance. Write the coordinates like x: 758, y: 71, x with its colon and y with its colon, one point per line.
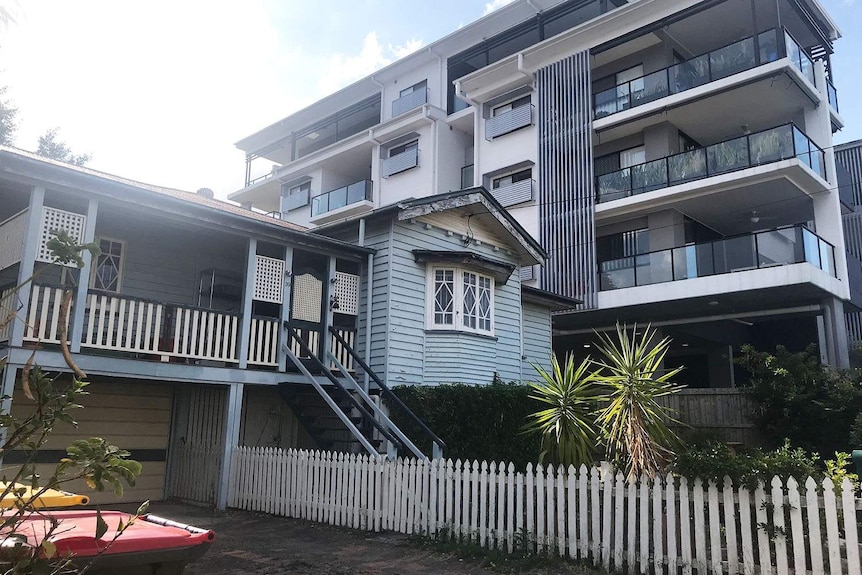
x: 461, y: 300
x: 294, y: 197
x: 509, y: 106
x: 402, y: 148
x: 108, y: 268
x: 512, y: 178
x: 632, y: 157
x: 414, y: 88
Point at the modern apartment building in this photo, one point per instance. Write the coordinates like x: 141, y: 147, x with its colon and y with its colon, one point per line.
x: 673, y: 158
x: 848, y: 163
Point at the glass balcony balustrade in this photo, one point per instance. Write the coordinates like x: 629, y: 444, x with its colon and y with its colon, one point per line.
x: 782, y: 246
x: 732, y: 59
x: 344, y: 196
x: 765, y: 147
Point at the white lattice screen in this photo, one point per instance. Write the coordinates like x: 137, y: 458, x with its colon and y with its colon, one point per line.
x: 307, y: 294
x: 347, y: 292
x: 268, y: 279
x: 54, y: 219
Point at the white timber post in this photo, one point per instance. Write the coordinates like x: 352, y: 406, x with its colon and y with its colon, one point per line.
x: 80, y: 305
x: 231, y: 440
x: 247, y: 293
x: 28, y: 261
x: 286, y: 299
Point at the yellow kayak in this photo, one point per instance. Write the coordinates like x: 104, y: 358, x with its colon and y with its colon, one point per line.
x: 50, y: 498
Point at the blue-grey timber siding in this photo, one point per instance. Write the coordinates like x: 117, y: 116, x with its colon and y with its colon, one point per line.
x: 163, y: 260
x: 420, y: 356
x: 537, y: 339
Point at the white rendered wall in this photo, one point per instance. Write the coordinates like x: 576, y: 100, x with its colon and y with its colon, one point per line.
x: 430, y: 72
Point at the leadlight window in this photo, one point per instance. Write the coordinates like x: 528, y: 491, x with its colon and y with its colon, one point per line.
x: 108, y: 271
x: 470, y: 295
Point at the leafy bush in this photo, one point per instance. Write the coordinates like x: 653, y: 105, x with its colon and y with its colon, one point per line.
x: 477, y: 422
x: 713, y: 459
x: 797, y: 398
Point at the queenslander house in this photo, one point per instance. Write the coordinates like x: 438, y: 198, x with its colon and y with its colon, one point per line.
x: 548, y: 170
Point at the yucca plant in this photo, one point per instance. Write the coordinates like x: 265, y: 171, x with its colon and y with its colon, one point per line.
x: 566, y: 425
x: 634, y: 423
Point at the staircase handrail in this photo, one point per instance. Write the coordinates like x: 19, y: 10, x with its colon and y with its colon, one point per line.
x: 388, y: 393
x: 364, y: 412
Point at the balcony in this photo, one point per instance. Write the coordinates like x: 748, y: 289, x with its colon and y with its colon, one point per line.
x: 400, y: 162
x: 510, y: 121
x: 715, y: 65
x: 832, y: 95
x: 783, y: 246
x: 513, y: 194
x: 409, y: 101
x: 345, y: 196
x: 765, y: 147
x: 467, y: 177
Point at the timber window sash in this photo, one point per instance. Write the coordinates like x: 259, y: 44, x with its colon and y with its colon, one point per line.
x: 107, y: 274
x: 460, y: 300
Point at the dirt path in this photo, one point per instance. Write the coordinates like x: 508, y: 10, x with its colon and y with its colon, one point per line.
x: 262, y: 544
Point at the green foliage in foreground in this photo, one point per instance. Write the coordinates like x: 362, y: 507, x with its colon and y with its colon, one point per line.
x: 815, y: 407
x: 480, y: 423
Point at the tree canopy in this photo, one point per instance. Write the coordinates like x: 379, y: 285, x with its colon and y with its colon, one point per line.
x: 51, y: 147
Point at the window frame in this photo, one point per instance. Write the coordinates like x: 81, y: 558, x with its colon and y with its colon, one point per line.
x: 423, y: 85
x: 284, y: 200
x: 458, y: 315
x: 94, y: 266
x: 508, y: 106
x: 496, y: 180
x: 399, y: 149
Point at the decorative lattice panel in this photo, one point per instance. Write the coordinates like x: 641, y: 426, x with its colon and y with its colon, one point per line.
x: 268, y: 279
x: 347, y: 292
x: 54, y: 219
x: 307, y: 294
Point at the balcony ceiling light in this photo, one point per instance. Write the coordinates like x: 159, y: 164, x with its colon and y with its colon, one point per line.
x: 312, y: 136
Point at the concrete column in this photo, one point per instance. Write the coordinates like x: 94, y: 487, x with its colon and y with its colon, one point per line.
x: 80, y: 305
x: 231, y: 440
x: 287, y: 290
x: 247, y: 292
x: 33, y: 228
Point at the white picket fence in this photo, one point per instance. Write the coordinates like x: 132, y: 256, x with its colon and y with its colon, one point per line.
x: 588, y: 514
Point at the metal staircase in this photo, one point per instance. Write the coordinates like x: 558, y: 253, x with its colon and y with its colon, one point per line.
x: 342, y: 415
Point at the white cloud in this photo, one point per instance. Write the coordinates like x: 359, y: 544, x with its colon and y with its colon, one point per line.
x: 343, y: 69
x: 494, y: 5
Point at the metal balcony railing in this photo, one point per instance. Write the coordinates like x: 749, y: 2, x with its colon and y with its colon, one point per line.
x: 715, y: 65
x: 782, y: 246
x: 765, y: 147
x: 508, y: 121
x: 344, y: 196
x: 832, y: 94
x: 409, y: 102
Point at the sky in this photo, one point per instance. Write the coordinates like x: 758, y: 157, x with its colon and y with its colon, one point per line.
x: 160, y: 90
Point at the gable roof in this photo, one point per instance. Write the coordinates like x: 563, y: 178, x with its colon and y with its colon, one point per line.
x: 476, y: 200
x: 32, y: 168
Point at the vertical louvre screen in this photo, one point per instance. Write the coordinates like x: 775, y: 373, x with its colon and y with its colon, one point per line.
x: 566, y: 196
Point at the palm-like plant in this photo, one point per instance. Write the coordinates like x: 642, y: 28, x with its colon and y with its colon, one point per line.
x: 634, y: 423
x: 566, y: 425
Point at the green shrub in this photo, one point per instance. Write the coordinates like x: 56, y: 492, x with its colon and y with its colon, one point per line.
x: 798, y: 398
x: 713, y: 459
x: 856, y: 433
x: 477, y: 422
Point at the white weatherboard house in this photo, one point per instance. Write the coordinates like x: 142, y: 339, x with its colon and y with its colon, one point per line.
x: 673, y: 158
x: 203, y: 325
